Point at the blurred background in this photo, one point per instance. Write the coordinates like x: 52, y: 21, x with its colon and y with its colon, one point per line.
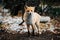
x: 43, y: 7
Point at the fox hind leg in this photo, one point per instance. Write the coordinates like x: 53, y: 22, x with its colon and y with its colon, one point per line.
x: 38, y: 27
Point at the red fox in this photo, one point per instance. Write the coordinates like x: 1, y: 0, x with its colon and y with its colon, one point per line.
x: 31, y: 18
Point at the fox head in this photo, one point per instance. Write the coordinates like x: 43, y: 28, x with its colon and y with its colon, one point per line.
x: 29, y: 9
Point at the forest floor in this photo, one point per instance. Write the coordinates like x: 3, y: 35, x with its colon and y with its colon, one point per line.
x: 44, y: 36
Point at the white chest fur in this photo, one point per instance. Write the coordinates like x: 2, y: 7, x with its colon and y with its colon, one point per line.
x: 29, y: 19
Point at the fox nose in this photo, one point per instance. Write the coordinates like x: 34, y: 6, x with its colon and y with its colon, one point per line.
x: 30, y: 13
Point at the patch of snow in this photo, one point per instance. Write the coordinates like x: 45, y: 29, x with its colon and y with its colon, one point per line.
x: 45, y: 18
x: 12, y: 24
x: 5, y: 10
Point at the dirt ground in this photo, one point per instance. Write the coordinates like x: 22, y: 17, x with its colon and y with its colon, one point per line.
x: 44, y: 36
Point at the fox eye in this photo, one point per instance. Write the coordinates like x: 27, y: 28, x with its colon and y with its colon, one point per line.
x: 28, y: 11
x: 31, y: 10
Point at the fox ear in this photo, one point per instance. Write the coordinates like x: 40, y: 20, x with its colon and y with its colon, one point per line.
x: 25, y: 7
x: 34, y: 7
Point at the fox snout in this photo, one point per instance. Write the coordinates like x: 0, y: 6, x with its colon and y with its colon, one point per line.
x: 29, y: 13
